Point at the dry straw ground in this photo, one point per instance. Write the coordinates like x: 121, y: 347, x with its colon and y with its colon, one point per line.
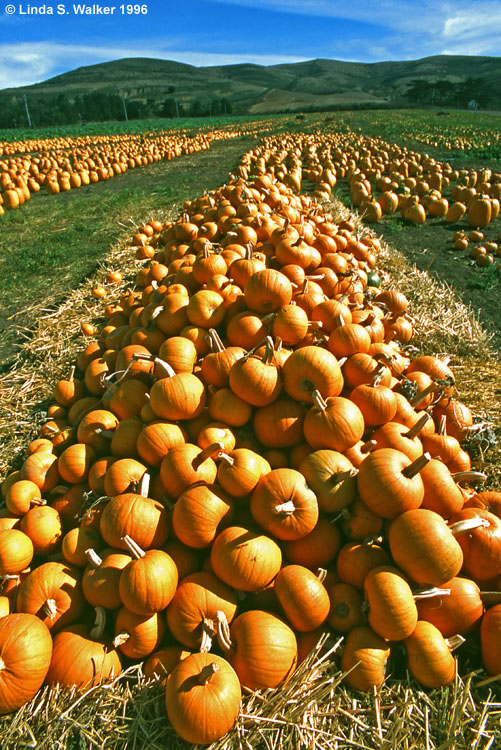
x: 314, y: 710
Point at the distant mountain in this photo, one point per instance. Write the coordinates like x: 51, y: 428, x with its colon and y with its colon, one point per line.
x: 148, y: 87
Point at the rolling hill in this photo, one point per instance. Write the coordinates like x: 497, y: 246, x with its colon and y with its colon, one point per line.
x: 150, y: 86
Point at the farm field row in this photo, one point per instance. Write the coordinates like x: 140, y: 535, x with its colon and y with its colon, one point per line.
x: 170, y: 243
x: 61, y: 164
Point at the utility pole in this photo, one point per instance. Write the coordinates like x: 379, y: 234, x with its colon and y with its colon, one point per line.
x: 27, y: 111
x: 125, y: 108
x: 177, y: 109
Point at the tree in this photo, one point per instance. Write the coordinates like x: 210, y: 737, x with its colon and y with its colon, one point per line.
x: 168, y: 108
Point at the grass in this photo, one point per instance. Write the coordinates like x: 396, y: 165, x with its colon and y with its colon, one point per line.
x: 189, y: 125
x: 464, y: 137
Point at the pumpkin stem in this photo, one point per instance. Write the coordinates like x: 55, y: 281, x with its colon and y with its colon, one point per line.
x: 454, y: 642
x: 163, y: 369
x: 215, y: 341
x: 319, y: 400
x: 226, y: 457
x: 416, y: 466
x: 96, y: 632
x: 416, y: 428
x: 368, y: 446
x: 269, y: 318
x: 322, y: 574
x: 49, y: 608
x: 133, y: 547
x: 428, y: 593
x: 286, y: 509
x: 38, y: 501
x: 156, y: 312
x: 163, y: 366
x: 342, y: 476
x: 468, y: 524
x: 209, y: 451
x: 93, y: 558
x: 207, y: 673
x: 372, y: 539
x: 9, y: 577
x: 442, y: 425
x: 388, y: 361
x: 263, y: 342
x: 108, y: 434
x: 378, y: 375
x: 123, y: 374
x: 120, y: 639
x: 144, y: 485
x: 223, y: 632
x: 339, y: 321
x: 466, y: 477
x: 208, y: 630
x: 420, y: 395
x: 371, y: 317
x: 71, y: 374
x: 269, y: 351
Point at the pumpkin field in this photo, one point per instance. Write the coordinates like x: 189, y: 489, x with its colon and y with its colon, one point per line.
x: 250, y: 417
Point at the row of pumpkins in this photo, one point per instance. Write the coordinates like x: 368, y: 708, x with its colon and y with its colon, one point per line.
x: 245, y: 458
x: 385, y: 178
x: 87, y: 161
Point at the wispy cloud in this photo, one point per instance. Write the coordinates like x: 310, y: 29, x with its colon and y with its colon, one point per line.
x: 26, y: 63
x: 436, y: 21
x: 396, y: 14
x: 472, y: 24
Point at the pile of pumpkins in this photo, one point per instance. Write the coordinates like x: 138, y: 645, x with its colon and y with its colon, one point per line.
x: 244, y: 458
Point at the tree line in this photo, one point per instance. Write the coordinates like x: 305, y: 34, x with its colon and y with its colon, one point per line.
x: 19, y: 111
x: 461, y: 94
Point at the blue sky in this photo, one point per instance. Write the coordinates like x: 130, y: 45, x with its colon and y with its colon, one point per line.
x: 34, y: 47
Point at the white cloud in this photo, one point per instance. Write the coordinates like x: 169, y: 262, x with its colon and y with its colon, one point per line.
x: 471, y: 24
x: 26, y: 63
x: 435, y: 21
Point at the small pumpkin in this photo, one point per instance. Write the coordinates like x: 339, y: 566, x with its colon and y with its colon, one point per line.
x: 364, y: 659
x: 302, y: 596
x: 428, y: 656
x: 203, y: 698
x: 245, y: 559
x: 25, y: 655
x: 81, y: 658
x: 149, y: 581
x: 261, y: 648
